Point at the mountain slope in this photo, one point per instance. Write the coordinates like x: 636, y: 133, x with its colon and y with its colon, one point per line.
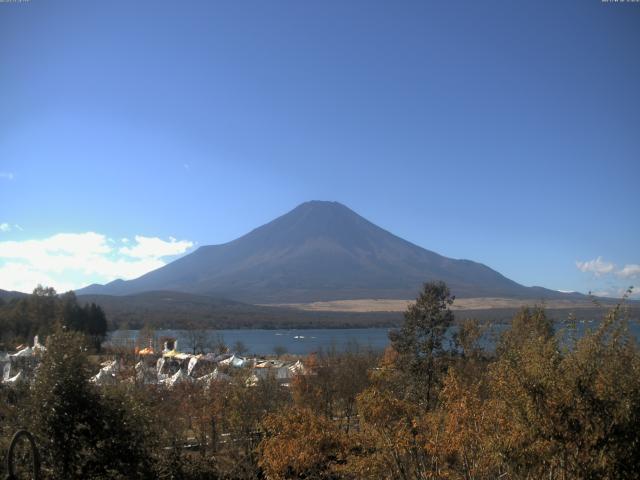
x: 319, y: 251
x: 6, y: 295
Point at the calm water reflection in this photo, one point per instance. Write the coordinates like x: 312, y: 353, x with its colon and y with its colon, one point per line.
x: 304, y: 341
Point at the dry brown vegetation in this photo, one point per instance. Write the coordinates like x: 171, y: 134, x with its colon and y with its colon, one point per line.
x: 543, y: 405
x: 364, y: 305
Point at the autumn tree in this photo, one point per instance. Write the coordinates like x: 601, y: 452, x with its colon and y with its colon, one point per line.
x: 197, y: 339
x: 567, y: 412
x: 239, y: 347
x: 392, y: 436
x: 332, y: 383
x: 466, y: 428
x: 146, y: 338
x: 301, y: 444
x: 279, y: 350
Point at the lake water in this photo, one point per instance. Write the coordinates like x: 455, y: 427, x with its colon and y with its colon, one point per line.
x: 305, y: 341
x: 265, y: 342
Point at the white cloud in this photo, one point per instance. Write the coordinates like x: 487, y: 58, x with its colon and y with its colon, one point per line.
x: 154, y: 247
x: 606, y: 272
x: 618, y: 292
x: 630, y: 270
x: 604, y: 293
x: 7, y: 175
x: 24, y: 278
x: 71, y: 260
x: 7, y: 227
x: 596, y: 266
x: 57, y: 252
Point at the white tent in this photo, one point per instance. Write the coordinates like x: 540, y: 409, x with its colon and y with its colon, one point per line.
x: 260, y: 373
x: 6, y: 371
x: 179, y: 377
x: 110, y: 366
x: 104, y: 378
x: 298, y: 368
x: 214, y: 376
x: 252, y: 380
x: 25, y: 352
x: 14, y: 380
x: 269, y: 364
x: 238, y: 362
x: 37, y: 346
x: 159, y: 365
x: 145, y: 374
x: 217, y: 358
x: 283, y: 373
x: 192, y: 363
x: 107, y: 374
x: 200, y: 365
x: 234, y: 361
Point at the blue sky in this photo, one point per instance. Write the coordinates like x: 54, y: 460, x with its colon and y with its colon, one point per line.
x: 503, y: 132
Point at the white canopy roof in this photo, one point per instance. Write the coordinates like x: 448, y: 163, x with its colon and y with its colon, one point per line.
x: 14, y: 380
x: 179, y: 377
x: 212, y: 377
x: 25, y: 352
x: 234, y: 361
x: 104, y: 378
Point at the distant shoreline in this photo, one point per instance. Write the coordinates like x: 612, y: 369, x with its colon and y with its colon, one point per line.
x: 330, y: 320
x: 368, y: 305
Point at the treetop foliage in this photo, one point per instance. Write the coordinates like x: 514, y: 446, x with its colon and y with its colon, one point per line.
x: 545, y: 404
x: 42, y: 311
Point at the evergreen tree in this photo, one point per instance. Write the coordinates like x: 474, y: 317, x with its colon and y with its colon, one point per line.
x: 419, y: 342
x: 82, y: 433
x: 65, y: 405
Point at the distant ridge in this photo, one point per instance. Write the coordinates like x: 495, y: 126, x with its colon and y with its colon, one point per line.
x: 321, y: 251
x: 11, y: 294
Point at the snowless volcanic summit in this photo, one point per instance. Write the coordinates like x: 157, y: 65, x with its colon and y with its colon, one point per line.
x: 320, y: 251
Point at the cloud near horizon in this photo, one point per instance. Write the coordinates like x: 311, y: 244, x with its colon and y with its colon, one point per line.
x: 68, y: 261
x: 618, y: 293
x: 602, y: 269
x: 629, y: 271
x: 599, y: 267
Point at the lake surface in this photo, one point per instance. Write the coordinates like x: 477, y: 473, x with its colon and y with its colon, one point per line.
x: 265, y: 342
x: 305, y: 341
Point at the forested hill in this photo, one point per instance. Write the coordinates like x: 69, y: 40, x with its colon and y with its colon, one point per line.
x: 163, y: 309
x: 23, y: 316
x: 6, y: 295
